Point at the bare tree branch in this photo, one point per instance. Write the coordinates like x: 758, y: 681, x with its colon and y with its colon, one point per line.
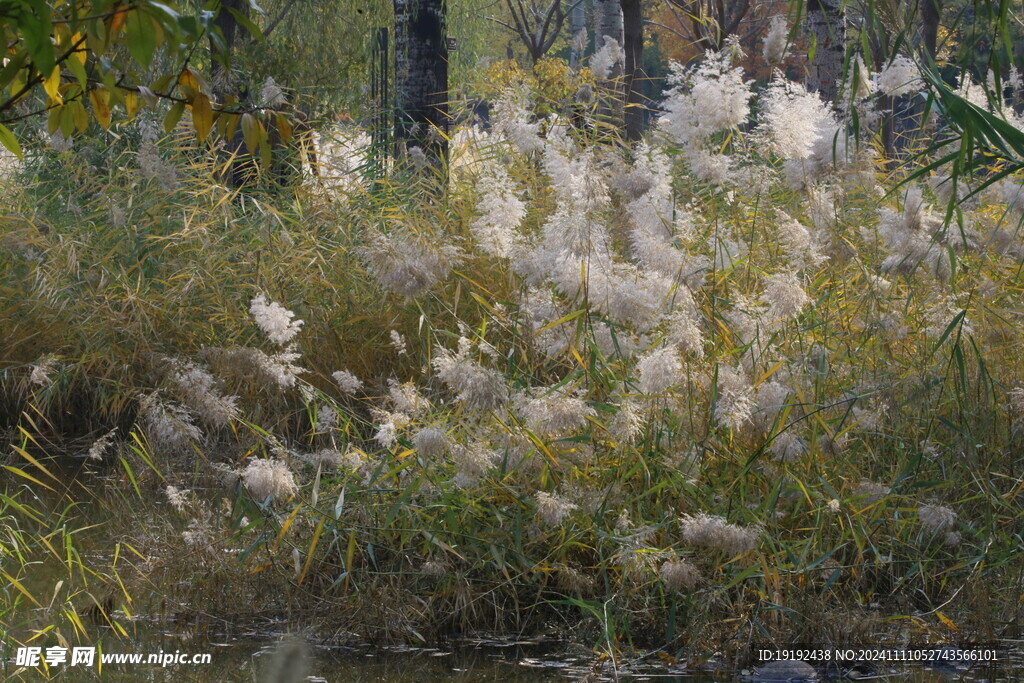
x: 277, y: 20
x: 708, y: 23
x: 537, y: 26
x: 682, y: 23
x: 671, y: 30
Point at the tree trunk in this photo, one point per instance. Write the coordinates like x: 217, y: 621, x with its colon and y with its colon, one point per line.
x: 911, y: 120
x: 931, y: 10
x: 578, y: 26
x: 826, y: 23
x: 608, y: 23
x: 226, y: 22
x: 633, y: 46
x: 421, y: 78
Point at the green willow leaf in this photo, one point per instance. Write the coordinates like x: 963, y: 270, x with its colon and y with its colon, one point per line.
x: 8, y: 140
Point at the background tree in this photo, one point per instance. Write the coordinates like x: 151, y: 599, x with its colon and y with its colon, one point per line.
x: 421, y: 78
x: 318, y: 51
x: 607, y: 22
x: 826, y: 27
x: 707, y: 23
x: 537, y: 25
x: 578, y: 30
x: 889, y: 28
x: 685, y: 30
x: 229, y: 14
x: 608, y: 41
x: 633, y: 47
x: 931, y: 12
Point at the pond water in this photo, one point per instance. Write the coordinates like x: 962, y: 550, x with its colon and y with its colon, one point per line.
x: 265, y: 655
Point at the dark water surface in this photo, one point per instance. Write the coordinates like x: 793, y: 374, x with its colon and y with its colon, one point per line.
x: 282, y: 658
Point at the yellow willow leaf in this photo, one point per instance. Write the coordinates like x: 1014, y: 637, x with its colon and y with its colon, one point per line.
x: 807, y: 494
x: 49, y: 546
x: 771, y: 371
x: 312, y: 549
x: 124, y: 590
x: 563, y: 319
x: 473, y: 282
x: 79, y: 53
x: 284, y: 127
x: 946, y: 620
x: 137, y: 553
x: 76, y: 621
x: 131, y: 104
x: 21, y: 589
x: 22, y: 473
x: 100, y: 98
x: 202, y: 116
x: 117, y: 20
x: 483, y: 302
x: 188, y: 84
x: 578, y: 358
x: 541, y: 447
x: 51, y: 84
x: 23, y: 453
x: 286, y: 525
x: 251, y: 128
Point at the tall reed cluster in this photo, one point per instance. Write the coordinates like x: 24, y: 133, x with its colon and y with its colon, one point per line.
x: 736, y: 371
